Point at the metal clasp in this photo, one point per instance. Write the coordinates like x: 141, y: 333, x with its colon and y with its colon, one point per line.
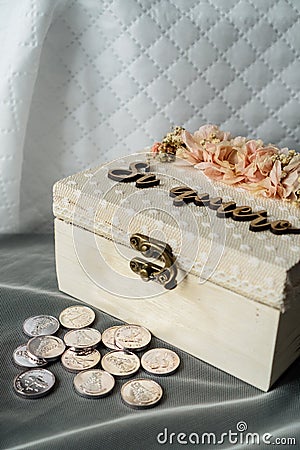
x: 152, y: 248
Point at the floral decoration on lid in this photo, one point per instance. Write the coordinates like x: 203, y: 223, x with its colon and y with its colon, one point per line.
x: 247, y: 163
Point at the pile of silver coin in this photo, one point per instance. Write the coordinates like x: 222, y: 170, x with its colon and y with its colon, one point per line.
x: 78, y: 353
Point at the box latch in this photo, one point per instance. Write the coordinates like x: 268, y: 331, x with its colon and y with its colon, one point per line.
x: 153, y: 248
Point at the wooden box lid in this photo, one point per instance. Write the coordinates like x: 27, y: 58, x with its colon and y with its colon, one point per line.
x: 262, y: 266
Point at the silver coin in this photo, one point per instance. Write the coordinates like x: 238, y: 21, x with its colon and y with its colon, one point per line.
x: 76, y: 317
x: 34, y: 383
x: 141, y: 393
x: 108, y: 337
x: 82, y: 339
x: 47, y: 347
x: 93, y: 383
x: 23, y: 359
x: 160, y: 361
x: 132, y: 337
x: 40, y: 325
x: 121, y: 364
x: 76, y: 361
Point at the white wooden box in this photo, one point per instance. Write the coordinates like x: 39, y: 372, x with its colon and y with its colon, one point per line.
x: 235, y: 305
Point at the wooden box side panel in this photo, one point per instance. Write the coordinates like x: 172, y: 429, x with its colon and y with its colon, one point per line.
x: 287, y: 347
x: 220, y: 327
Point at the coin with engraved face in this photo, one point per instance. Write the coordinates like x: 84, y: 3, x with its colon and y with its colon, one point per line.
x: 81, y: 339
x: 40, y: 325
x: 120, y: 364
x: 93, y: 383
x: 132, y: 337
x: 160, y: 361
x: 83, y: 360
x: 23, y: 359
x: 47, y: 347
x: 76, y: 317
x: 34, y: 383
x: 108, y: 337
x: 141, y: 393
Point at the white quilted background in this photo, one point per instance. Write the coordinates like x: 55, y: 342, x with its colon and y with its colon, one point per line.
x: 84, y: 81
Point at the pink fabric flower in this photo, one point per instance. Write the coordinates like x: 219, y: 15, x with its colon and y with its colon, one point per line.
x: 195, y: 150
x: 206, y: 131
x: 155, y: 147
x: 281, y: 183
x: 257, y: 161
x: 290, y: 185
x: 291, y: 179
x: 247, y: 163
